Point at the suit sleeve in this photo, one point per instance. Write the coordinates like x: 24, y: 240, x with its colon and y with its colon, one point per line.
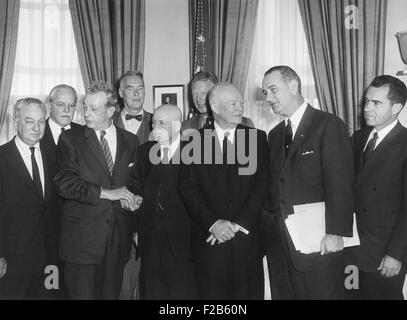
x: 2, y: 253
x: 248, y: 216
x: 68, y: 181
x: 397, y: 245
x: 337, y: 169
x: 190, y: 191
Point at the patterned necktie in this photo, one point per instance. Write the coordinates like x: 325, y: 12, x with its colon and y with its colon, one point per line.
x: 288, y: 136
x: 138, y: 117
x: 106, y: 151
x: 165, y: 159
x: 36, y: 172
x: 370, y: 148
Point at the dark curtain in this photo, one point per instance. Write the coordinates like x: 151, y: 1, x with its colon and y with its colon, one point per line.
x: 344, y: 60
x: 109, y: 36
x: 228, y: 28
x: 9, y: 13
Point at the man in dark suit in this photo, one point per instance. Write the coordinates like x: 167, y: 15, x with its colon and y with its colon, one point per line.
x: 27, y: 201
x: 132, y: 117
x: 380, y: 155
x: 165, y: 230
x: 95, y: 164
x: 311, y: 162
x: 62, y: 102
x: 225, y: 201
x: 201, y: 84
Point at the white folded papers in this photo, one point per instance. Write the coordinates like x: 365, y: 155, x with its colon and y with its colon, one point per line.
x: 307, y: 228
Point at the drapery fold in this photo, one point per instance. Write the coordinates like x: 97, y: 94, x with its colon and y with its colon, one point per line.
x: 9, y: 15
x: 228, y: 32
x: 110, y: 37
x: 346, y: 40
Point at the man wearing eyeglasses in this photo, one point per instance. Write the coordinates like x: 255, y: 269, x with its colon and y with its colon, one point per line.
x: 62, y: 102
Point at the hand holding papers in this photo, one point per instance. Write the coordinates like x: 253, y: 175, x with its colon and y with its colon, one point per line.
x: 307, y: 228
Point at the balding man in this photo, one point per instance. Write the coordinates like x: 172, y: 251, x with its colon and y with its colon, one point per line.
x: 224, y: 201
x: 201, y: 84
x: 165, y: 228
x: 62, y: 101
x: 27, y: 200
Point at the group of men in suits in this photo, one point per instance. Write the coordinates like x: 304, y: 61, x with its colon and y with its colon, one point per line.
x: 203, y: 226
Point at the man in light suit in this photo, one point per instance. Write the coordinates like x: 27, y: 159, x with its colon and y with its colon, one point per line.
x: 380, y: 160
x: 201, y: 84
x: 225, y: 202
x: 96, y: 223
x: 165, y: 230
x: 27, y: 200
x: 311, y: 162
x: 132, y: 116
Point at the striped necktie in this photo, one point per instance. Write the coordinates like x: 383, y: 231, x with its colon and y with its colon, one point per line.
x: 106, y: 151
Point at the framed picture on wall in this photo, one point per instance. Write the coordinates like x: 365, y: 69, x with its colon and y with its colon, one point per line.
x: 171, y: 94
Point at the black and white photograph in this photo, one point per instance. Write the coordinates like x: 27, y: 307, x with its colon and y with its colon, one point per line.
x: 212, y: 153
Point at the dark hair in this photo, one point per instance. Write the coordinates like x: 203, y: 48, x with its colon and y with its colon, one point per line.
x: 397, y: 88
x: 103, y: 86
x: 59, y: 87
x: 131, y: 73
x: 205, y: 76
x: 287, y: 73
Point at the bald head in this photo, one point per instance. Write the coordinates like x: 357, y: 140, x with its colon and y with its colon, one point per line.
x: 166, y: 123
x: 227, y: 105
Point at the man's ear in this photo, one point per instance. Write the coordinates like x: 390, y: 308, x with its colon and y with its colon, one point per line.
x: 396, y: 108
x: 214, y: 107
x: 293, y: 87
x: 110, y: 111
x: 121, y: 92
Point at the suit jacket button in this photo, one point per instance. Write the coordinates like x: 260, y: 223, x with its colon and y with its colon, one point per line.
x: 374, y: 189
x: 282, y: 201
x: 364, y: 211
x: 281, y: 180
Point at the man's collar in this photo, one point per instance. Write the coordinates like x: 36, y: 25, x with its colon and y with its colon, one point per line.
x: 298, y: 114
x: 23, y: 146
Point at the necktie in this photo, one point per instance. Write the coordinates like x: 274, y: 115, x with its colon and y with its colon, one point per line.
x: 138, y: 117
x: 106, y: 151
x: 62, y: 129
x: 226, y: 146
x: 370, y: 148
x: 36, y: 172
x: 165, y: 159
x: 288, y: 136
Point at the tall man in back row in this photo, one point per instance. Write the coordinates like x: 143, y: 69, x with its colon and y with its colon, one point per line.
x: 201, y: 84
x: 311, y: 162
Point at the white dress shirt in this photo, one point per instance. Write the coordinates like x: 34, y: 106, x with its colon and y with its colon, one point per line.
x: 25, y: 153
x: 131, y: 125
x: 381, y: 134
x: 172, y: 148
x: 56, y: 129
x: 221, y: 134
x: 296, y: 117
x: 111, y: 137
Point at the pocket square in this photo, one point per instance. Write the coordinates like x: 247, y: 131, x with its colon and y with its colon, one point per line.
x: 307, y: 153
x: 131, y: 164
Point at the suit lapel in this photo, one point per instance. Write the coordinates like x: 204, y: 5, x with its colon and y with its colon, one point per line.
x: 117, y: 119
x: 48, y: 137
x: 300, y: 134
x: 120, y: 152
x: 377, y: 156
x: 360, y: 148
x: 20, y: 167
x: 94, y: 145
x: 47, y: 177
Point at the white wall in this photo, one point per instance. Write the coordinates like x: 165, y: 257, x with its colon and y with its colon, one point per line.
x: 396, y: 21
x: 166, y: 59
